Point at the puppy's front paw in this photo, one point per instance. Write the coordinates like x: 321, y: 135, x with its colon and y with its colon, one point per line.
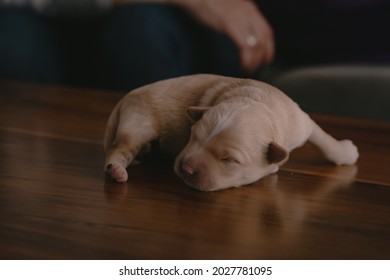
x: 116, y: 172
x: 348, y: 153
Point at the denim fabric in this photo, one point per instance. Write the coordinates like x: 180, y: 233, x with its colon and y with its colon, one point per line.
x: 145, y: 43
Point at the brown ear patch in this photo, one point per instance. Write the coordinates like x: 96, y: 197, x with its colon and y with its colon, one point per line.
x: 196, y: 113
x: 275, y: 153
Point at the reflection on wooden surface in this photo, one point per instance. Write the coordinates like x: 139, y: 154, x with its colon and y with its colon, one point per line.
x: 56, y: 204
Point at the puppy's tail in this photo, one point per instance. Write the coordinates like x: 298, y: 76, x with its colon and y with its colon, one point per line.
x: 340, y: 152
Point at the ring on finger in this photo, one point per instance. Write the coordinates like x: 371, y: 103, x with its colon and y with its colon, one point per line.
x: 251, y: 41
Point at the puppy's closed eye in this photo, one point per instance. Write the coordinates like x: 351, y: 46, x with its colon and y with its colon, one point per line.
x: 228, y: 160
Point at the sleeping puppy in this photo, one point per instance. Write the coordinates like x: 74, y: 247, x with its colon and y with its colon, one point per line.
x: 224, y: 132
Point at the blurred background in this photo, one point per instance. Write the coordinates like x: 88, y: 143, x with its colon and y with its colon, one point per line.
x: 331, y: 56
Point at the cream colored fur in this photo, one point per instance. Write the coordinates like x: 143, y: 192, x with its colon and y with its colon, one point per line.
x: 237, y: 132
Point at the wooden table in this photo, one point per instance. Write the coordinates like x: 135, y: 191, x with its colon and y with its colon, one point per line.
x: 56, y: 204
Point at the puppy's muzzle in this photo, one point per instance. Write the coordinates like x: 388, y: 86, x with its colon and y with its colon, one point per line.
x: 193, y: 175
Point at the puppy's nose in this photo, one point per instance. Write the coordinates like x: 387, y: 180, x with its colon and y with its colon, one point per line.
x: 187, y: 169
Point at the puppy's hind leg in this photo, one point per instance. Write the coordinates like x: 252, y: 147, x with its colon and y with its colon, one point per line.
x: 338, y: 152
x: 134, y: 130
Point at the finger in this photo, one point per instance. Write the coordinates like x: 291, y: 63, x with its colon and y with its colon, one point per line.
x: 250, y: 51
x: 270, y: 53
x: 246, y: 60
x: 269, y: 49
x: 260, y: 44
x: 244, y: 50
x: 251, y: 58
x: 264, y: 33
x: 253, y: 37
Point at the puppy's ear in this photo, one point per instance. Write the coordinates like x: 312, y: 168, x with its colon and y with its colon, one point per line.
x: 275, y: 153
x: 196, y: 113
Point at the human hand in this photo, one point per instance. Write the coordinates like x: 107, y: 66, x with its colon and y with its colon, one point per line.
x: 242, y: 22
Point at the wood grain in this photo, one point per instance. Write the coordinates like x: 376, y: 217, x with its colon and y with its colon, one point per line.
x: 56, y: 204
